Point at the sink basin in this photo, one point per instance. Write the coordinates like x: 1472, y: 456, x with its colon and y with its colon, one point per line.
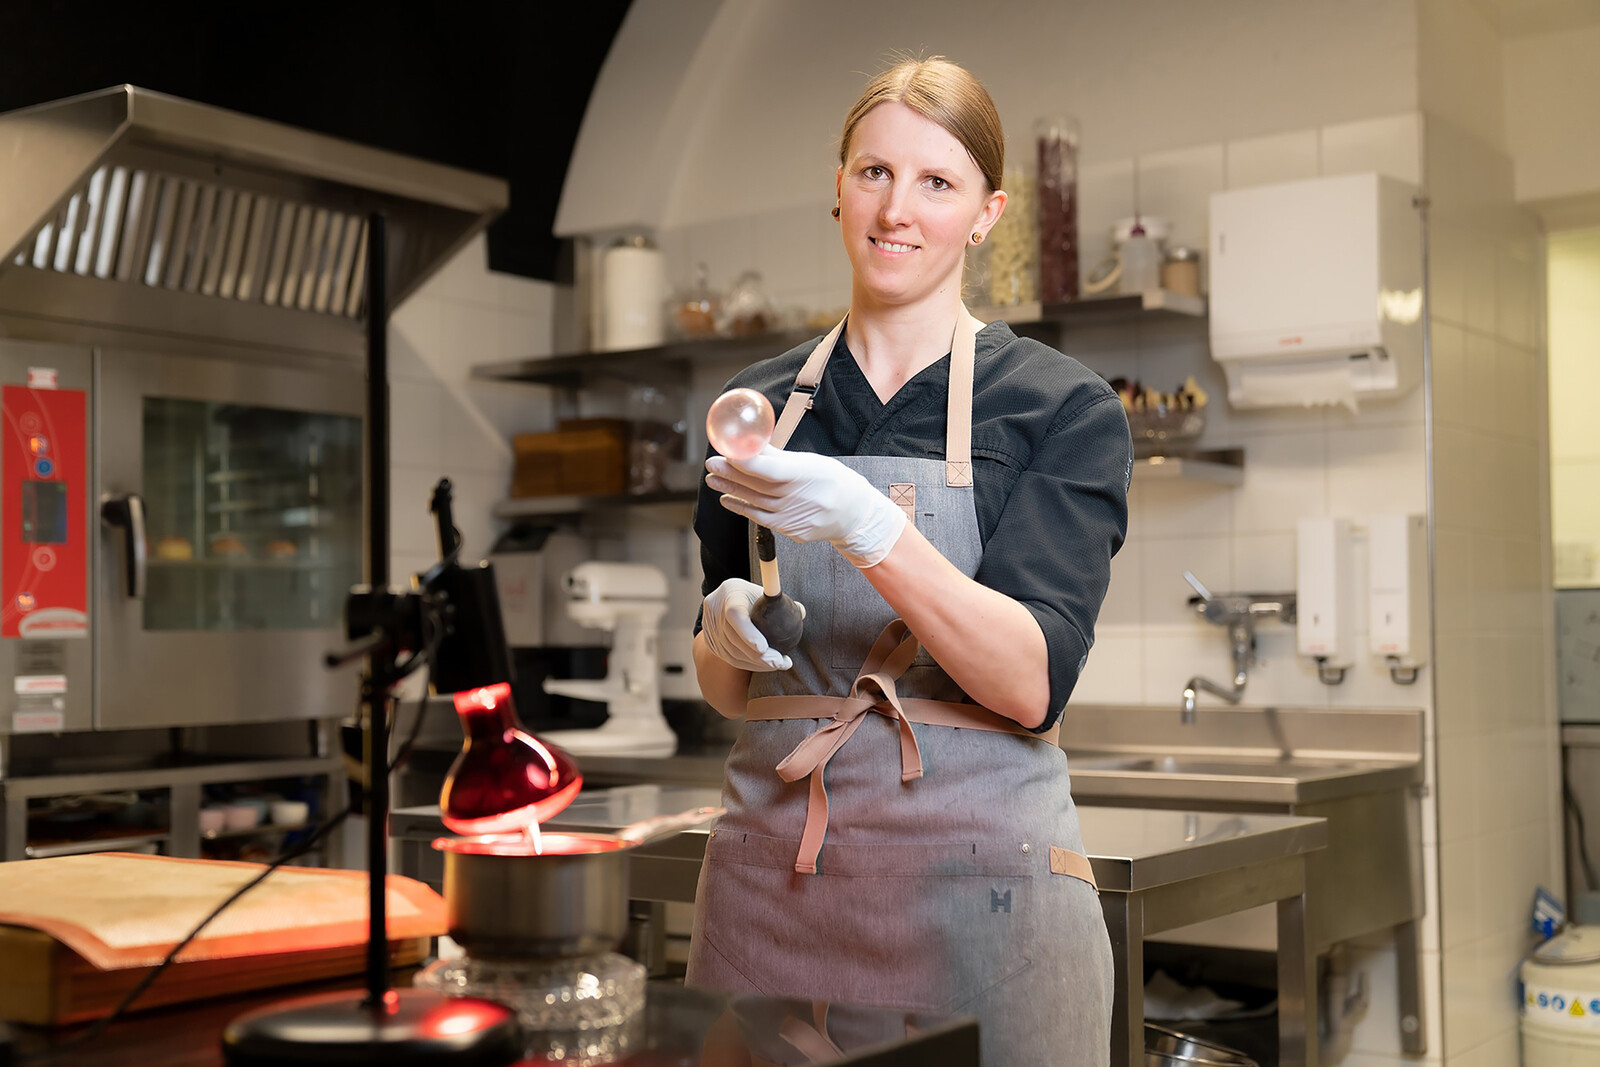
x: 1210, y: 766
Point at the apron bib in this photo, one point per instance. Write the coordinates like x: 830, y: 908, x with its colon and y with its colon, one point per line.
x: 886, y: 841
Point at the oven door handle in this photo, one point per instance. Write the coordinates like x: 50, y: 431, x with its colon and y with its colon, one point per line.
x: 127, y: 512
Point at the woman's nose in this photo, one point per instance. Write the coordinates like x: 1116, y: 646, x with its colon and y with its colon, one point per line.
x: 895, y: 208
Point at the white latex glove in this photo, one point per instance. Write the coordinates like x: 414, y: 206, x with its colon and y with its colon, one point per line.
x: 810, y: 497
x: 731, y: 636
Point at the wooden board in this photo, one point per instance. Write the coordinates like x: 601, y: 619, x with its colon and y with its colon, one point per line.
x: 45, y: 983
x: 77, y: 932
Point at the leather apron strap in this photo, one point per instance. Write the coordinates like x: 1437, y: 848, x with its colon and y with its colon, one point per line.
x: 872, y: 691
x: 958, y: 401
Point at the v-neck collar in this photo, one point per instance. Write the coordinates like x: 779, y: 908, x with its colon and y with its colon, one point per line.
x: 861, y: 402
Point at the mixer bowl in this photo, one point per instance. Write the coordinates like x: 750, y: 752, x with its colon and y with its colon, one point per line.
x: 503, y: 901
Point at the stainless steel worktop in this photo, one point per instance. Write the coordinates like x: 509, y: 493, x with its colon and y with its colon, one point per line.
x: 1275, y: 757
x: 1130, y: 849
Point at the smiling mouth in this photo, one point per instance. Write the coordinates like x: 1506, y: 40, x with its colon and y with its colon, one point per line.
x: 890, y: 246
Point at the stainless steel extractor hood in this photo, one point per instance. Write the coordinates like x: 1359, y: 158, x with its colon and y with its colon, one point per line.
x: 135, y: 212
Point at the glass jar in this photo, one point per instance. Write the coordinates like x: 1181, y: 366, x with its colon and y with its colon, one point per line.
x: 1057, y: 141
x: 1181, y: 272
x: 693, y: 312
x: 1010, y: 257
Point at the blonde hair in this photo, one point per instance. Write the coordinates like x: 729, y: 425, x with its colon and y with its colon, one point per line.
x: 945, y: 93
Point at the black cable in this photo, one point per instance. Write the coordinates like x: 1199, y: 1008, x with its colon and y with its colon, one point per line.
x: 100, y: 1025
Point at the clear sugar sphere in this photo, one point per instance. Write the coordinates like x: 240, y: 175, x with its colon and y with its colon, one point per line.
x: 739, y: 423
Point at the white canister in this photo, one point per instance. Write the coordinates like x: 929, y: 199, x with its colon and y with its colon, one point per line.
x: 633, y: 293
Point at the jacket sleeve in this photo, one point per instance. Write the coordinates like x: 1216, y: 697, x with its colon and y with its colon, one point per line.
x: 1065, y: 517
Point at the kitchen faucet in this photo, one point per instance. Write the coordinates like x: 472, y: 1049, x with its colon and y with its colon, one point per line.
x: 1238, y: 612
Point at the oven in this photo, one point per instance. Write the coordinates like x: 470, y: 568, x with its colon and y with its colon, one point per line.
x: 182, y: 343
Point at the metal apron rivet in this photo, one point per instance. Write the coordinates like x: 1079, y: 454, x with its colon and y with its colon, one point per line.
x: 1026, y: 848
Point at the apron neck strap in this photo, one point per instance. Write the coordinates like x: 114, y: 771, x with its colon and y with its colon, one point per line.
x: 958, y: 410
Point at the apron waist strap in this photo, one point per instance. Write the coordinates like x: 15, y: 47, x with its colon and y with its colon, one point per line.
x: 927, y: 712
x: 845, y: 714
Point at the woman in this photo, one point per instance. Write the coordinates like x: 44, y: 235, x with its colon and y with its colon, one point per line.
x: 951, y: 496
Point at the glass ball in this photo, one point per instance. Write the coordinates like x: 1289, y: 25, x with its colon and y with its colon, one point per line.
x: 739, y: 423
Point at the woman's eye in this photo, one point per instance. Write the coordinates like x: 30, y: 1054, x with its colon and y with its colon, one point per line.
x: 939, y: 184
x: 875, y: 172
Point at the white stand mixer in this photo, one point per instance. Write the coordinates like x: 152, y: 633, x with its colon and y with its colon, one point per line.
x: 628, y: 600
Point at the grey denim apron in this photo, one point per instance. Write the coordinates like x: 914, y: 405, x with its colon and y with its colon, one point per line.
x: 887, y: 842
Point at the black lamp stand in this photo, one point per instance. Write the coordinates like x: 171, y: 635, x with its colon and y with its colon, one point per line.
x: 385, y: 1025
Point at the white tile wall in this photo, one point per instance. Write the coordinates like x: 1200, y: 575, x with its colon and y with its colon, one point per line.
x: 1496, y: 820
x: 444, y: 423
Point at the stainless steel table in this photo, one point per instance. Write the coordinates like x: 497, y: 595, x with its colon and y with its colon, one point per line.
x: 1157, y: 870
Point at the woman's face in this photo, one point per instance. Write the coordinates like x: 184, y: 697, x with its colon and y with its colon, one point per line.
x: 910, y: 199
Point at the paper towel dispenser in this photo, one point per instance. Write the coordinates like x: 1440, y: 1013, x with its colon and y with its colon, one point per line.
x: 1316, y: 291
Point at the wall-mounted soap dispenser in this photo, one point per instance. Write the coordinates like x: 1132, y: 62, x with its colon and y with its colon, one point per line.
x: 1324, y: 627
x: 1397, y: 593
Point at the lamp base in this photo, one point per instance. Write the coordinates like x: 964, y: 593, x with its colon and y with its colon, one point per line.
x: 413, y: 1026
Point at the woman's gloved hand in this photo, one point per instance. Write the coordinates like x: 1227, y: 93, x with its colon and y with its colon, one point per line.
x: 810, y: 497
x: 731, y: 636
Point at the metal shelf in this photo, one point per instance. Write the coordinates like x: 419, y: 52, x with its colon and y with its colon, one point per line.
x: 535, y: 506
x: 571, y: 370
x: 1221, y: 467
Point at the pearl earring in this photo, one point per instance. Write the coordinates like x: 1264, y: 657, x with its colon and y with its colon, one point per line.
x: 836, y: 211
x: 977, y: 237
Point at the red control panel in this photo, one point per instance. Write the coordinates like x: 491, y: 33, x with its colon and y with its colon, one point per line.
x: 44, y: 475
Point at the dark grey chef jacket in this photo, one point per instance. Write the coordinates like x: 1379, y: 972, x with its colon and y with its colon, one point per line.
x: 1051, y: 461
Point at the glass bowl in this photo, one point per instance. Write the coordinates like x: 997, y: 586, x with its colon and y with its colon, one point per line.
x: 1166, y: 432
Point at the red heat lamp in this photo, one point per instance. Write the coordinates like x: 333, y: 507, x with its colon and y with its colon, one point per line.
x: 504, y: 778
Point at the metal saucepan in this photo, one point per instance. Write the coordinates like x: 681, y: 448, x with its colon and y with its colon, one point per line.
x: 1168, y: 1048
x: 504, y: 901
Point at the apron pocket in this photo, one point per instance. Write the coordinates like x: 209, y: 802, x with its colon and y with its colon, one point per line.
x: 917, y: 926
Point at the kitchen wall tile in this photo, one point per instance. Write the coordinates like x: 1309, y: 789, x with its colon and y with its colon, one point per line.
x: 523, y: 409
x: 1115, y: 669
x: 1124, y: 603
x: 1448, y: 248
x: 522, y: 335
x: 1178, y: 509
x: 414, y: 333
x: 1264, y: 562
x: 1458, y: 787
x: 1165, y: 593
x: 1517, y: 275
x: 1368, y: 684
x: 783, y: 251
x: 1498, y: 884
x: 1452, y: 581
x: 1481, y: 302
x: 1484, y: 402
x: 1278, y: 676
x: 468, y: 334
x: 414, y: 424
x: 1455, y: 690
x: 1377, y: 470
x: 1460, y: 888
x: 1466, y: 997
x: 526, y: 296
x: 1407, y: 409
x: 1454, y: 491
x: 1285, y: 479
x: 463, y: 276
x: 472, y: 440
x: 1177, y: 186
x: 1105, y: 194
x: 1172, y: 654
x: 1498, y: 1051
x: 410, y: 529
x: 1448, y: 343
x: 1518, y: 390
x: 1284, y: 157
x: 475, y: 494
x: 1360, y: 1058
x: 1390, y: 145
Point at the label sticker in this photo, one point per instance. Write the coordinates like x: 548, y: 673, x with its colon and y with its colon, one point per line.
x: 1571, y: 1009
x: 41, y: 683
x: 38, y: 722
x: 41, y: 378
